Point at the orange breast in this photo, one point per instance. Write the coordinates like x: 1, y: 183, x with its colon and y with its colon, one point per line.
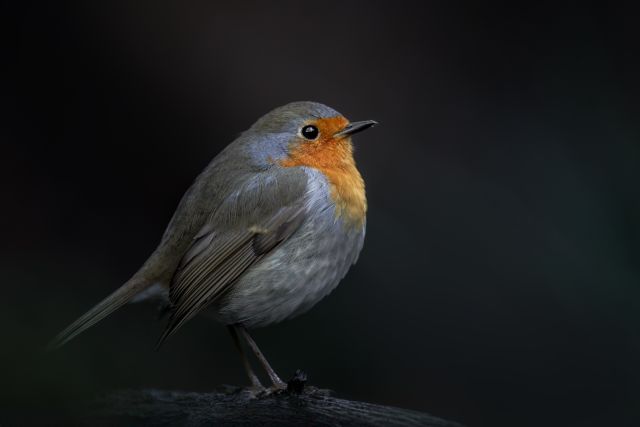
x: 334, y: 158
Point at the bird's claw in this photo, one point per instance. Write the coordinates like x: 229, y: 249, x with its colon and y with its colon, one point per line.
x: 278, y: 387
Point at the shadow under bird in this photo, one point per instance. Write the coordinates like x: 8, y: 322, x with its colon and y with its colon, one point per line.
x: 267, y: 230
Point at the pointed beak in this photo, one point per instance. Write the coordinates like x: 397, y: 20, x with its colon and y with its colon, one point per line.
x: 355, y: 127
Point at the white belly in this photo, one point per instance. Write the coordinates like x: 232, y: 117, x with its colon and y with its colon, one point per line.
x: 300, y: 272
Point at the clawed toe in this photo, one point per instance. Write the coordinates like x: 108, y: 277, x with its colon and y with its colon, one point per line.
x: 268, y: 391
x: 278, y: 387
x: 255, y: 391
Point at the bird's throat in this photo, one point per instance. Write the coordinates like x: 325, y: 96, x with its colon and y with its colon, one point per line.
x: 334, y: 158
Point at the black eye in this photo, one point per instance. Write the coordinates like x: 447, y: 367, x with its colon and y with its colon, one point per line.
x: 310, y: 132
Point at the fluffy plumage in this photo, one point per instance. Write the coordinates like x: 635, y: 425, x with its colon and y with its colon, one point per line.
x: 266, y: 230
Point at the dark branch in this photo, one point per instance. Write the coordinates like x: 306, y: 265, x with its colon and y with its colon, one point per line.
x: 238, y: 407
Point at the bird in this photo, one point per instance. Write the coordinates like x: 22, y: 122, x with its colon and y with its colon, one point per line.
x: 269, y: 228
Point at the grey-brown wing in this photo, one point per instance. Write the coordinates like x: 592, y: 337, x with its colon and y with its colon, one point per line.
x: 220, y: 254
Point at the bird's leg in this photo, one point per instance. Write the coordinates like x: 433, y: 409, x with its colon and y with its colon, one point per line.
x: 255, y: 382
x: 275, y: 379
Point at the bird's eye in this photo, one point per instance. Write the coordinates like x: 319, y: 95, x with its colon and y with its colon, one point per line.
x: 310, y: 132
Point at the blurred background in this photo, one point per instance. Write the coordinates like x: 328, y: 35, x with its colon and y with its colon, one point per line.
x: 499, y: 283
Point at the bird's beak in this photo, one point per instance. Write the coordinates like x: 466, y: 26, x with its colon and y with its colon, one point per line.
x: 355, y: 127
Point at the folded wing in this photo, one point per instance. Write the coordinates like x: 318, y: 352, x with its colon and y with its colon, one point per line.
x: 250, y: 224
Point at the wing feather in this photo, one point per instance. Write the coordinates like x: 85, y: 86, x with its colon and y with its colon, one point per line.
x: 219, y: 255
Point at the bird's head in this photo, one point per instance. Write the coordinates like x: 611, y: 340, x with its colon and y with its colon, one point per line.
x: 305, y: 134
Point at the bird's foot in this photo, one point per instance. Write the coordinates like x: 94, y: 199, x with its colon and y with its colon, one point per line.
x: 294, y: 386
x: 276, y: 388
x: 254, y: 391
x: 258, y: 391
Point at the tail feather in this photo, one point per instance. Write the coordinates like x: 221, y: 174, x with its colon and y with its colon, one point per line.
x: 120, y: 297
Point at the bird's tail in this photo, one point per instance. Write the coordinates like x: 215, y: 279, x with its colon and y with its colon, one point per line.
x: 120, y: 297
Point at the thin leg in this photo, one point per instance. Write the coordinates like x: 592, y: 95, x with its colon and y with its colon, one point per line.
x: 255, y: 382
x: 275, y: 379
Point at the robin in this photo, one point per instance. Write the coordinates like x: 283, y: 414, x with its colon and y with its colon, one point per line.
x: 267, y: 230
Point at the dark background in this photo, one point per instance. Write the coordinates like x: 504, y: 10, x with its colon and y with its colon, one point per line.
x: 499, y: 284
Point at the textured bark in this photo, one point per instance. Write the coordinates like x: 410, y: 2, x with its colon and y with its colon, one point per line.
x: 234, y: 406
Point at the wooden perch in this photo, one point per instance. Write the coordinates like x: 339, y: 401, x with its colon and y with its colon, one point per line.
x: 234, y: 406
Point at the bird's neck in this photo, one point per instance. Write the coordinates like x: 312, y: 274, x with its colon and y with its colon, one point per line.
x: 335, y: 160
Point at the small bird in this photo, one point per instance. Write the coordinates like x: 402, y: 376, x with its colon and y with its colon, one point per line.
x: 266, y: 231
